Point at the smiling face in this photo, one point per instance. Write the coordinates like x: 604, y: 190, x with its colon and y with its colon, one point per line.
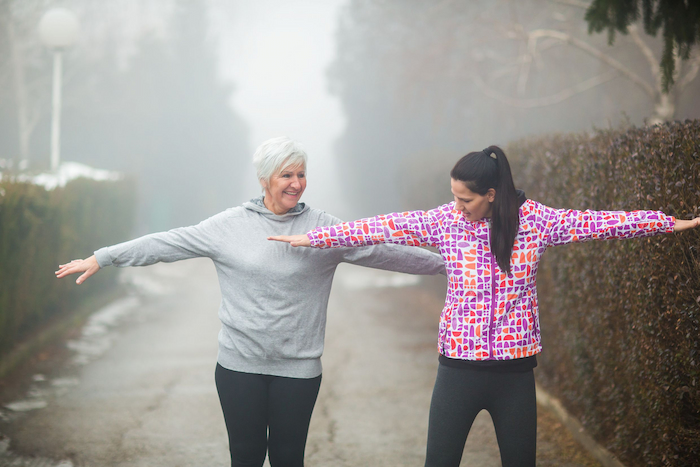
x: 473, y: 206
x: 284, y: 189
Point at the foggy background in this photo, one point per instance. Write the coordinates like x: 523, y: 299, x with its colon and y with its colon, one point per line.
x: 384, y: 95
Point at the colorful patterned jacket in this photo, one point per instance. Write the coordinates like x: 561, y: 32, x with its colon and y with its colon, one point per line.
x: 489, y: 315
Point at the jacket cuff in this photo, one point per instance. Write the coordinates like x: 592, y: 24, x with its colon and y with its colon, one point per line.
x: 313, y: 239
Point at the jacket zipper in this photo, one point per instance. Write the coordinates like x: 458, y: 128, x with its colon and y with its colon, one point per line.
x: 492, y: 312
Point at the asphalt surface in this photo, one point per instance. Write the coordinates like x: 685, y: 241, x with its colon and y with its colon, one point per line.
x: 135, y: 386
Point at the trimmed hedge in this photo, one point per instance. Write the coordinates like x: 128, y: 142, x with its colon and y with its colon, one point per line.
x: 621, y: 319
x: 41, y: 229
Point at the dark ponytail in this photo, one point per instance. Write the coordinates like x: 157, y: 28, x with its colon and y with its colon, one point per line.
x: 481, y: 171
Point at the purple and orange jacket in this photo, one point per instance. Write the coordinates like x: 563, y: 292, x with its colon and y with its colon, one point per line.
x: 489, y: 315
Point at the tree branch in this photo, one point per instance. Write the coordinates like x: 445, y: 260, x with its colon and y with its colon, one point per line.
x: 577, y: 3
x: 524, y: 73
x: 648, y: 53
x: 544, y: 101
x: 694, y: 67
x: 567, y: 38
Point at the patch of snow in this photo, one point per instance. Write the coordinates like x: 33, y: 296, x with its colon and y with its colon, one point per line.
x: 65, y: 382
x: 26, y: 405
x: 66, y: 172
x: 96, y: 337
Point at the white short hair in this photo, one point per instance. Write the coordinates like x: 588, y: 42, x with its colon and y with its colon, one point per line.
x: 276, y: 154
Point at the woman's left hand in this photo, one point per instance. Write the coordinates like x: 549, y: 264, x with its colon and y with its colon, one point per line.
x: 682, y: 225
x: 87, y: 267
x: 294, y: 240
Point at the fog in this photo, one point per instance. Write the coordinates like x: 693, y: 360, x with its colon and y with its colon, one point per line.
x: 384, y: 95
x: 277, y: 54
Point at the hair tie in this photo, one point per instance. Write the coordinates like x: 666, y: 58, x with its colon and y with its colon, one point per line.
x: 489, y: 152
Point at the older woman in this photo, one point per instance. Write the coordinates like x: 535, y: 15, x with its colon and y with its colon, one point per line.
x: 273, y: 302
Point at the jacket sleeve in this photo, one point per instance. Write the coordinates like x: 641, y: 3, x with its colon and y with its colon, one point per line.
x: 413, y: 228
x: 399, y: 258
x: 562, y: 226
x: 167, y: 247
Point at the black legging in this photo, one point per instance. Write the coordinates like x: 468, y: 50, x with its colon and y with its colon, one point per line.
x: 252, y: 403
x: 460, y: 394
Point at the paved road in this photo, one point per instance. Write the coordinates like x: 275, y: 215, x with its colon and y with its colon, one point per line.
x: 137, y: 387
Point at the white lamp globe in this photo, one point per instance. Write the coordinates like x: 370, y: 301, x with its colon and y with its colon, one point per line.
x: 58, y: 28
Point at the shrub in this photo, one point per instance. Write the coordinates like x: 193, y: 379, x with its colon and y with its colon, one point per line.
x: 40, y: 229
x: 621, y: 318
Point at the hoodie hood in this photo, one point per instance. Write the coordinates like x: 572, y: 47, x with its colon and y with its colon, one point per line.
x: 257, y: 205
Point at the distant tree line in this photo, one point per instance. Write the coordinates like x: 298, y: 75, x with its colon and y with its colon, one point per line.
x: 158, y: 113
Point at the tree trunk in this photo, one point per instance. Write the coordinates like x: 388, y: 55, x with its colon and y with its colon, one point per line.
x: 664, y: 108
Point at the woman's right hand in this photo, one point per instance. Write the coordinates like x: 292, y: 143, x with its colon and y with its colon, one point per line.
x: 294, y: 240
x: 87, y: 266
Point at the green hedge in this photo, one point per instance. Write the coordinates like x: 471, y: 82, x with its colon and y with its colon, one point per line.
x: 621, y: 319
x: 40, y: 229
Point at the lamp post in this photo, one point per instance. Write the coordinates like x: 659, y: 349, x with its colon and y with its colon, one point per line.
x: 58, y: 29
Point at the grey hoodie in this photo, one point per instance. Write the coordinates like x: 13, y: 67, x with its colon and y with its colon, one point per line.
x: 273, y: 296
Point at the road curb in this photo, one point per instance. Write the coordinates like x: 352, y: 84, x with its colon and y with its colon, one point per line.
x: 605, y: 457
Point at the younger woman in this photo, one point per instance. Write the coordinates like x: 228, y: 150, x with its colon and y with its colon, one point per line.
x: 491, y: 239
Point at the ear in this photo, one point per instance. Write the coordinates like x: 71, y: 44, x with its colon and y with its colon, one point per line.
x: 263, y: 183
x: 491, y: 195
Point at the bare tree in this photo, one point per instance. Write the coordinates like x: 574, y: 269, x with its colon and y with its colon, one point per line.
x: 537, y: 42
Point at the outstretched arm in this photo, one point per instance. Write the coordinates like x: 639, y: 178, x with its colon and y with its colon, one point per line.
x: 294, y: 240
x: 87, y: 266
x: 389, y: 257
x: 412, y: 228
x: 682, y: 225
x: 568, y: 225
x: 173, y: 245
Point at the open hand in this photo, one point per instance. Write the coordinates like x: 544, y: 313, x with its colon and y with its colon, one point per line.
x: 294, y: 240
x: 87, y: 266
x: 682, y: 225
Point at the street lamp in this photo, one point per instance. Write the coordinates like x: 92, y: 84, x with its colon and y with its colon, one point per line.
x: 58, y: 29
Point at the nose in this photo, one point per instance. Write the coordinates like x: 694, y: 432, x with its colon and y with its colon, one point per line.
x: 296, y: 183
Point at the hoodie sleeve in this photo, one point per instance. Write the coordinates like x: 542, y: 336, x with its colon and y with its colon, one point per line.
x: 396, y: 258
x: 562, y: 226
x: 167, y: 247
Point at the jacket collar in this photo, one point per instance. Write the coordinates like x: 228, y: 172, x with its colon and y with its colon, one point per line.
x: 481, y: 228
